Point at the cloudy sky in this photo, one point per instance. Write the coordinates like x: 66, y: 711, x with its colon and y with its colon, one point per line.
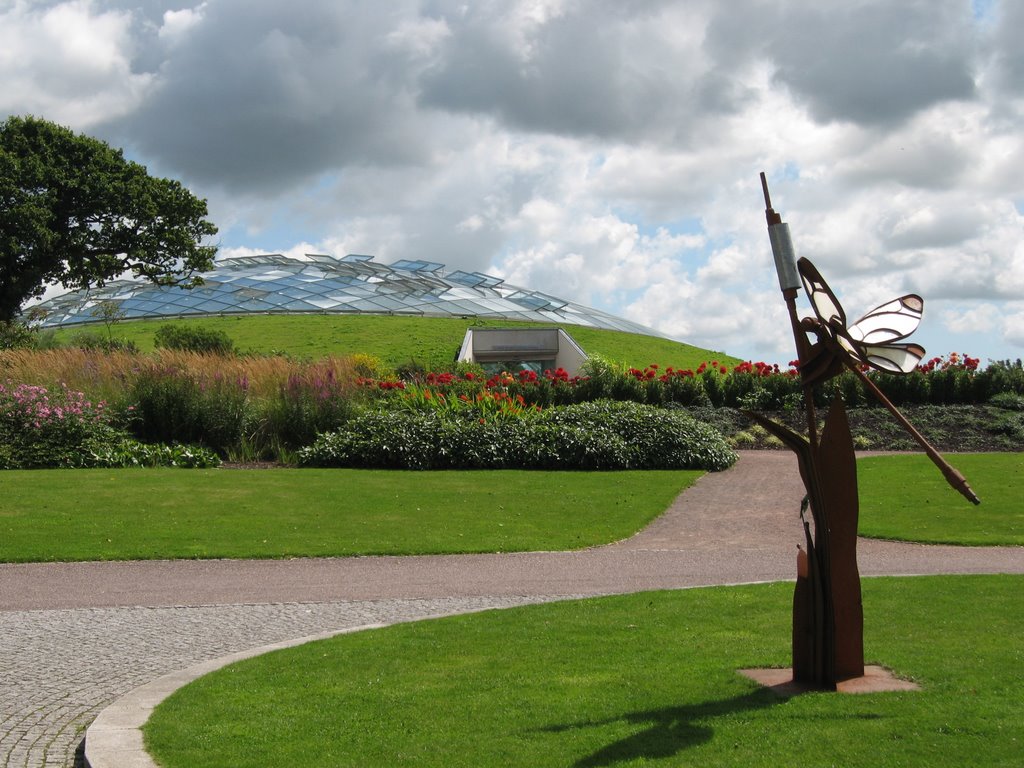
x: 605, y: 151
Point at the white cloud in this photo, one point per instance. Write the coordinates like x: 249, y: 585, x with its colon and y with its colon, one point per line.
x: 69, y: 62
x: 1013, y: 332
x: 177, y: 23
x: 983, y: 318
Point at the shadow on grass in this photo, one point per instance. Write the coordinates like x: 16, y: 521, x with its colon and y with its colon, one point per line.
x: 670, y: 730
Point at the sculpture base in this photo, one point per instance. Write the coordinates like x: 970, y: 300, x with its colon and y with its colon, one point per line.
x: 875, y: 680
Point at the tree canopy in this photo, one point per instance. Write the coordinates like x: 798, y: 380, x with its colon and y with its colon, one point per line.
x: 74, y: 211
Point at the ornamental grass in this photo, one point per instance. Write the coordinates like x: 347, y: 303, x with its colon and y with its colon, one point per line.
x: 107, y: 374
x: 243, y: 407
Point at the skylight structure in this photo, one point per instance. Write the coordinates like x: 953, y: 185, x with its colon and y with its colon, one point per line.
x: 353, y: 284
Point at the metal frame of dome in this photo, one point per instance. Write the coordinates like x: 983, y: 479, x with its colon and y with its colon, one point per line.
x: 321, y: 284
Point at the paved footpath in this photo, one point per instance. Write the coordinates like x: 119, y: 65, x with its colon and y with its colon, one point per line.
x: 74, y: 637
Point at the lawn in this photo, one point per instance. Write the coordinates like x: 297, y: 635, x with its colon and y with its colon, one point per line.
x: 138, y: 514
x: 905, y: 497
x: 431, y: 341
x: 644, y: 679
x: 129, y: 514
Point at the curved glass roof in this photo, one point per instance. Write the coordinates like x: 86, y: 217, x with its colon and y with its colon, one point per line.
x: 354, y: 284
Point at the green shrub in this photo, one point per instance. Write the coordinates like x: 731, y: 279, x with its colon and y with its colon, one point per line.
x: 714, y: 388
x: 685, y: 391
x: 126, y: 452
x: 852, y: 390
x: 384, y: 439
x: 16, y: 335
x: 99, y: 343
x: 599, y: 435
x: 1012, y: 424
x: 1008, y: 401
x: 1000, y: 376
x: 191, y: 338
x: 656, y: 438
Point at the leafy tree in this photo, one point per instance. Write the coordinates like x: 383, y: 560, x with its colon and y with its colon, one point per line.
x: 110, y: 313
x: 73, y: 211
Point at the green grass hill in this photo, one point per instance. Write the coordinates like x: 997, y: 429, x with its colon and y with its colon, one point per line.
x: 429, y: 341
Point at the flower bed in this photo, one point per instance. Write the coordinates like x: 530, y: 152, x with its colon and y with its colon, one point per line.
x: 267, y: 408
x: 952, y: 379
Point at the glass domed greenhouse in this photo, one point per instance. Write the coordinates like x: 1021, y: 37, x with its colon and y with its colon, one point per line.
x: 353, y: 284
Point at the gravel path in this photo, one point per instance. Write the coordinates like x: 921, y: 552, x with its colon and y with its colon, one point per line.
x: 74, y: 637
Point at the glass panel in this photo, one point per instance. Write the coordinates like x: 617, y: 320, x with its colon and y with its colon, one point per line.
x: 323, y: 303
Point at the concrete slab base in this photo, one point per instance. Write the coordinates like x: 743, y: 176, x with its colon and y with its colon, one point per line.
x: 876, y: 679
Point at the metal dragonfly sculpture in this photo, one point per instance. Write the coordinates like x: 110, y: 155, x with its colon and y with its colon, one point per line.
x: 828, y: 622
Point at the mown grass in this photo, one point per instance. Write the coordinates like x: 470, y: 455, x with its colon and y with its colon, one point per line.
x: 138, y: 514
x: 645, y: 679
x: 905, y: 497
x: 429, y: 341
x: 50, y: 515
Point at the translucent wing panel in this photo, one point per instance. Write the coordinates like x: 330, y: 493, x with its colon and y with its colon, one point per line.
x: 823, y: 300
x: 894, y: 358
x: 889, y: 322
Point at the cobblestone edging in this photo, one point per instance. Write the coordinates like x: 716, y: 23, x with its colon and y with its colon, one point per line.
x: 61, y: 667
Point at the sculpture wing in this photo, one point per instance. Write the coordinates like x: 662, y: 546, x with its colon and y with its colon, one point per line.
x: 868, y: 339
x: 892, y: 358
x: 824, y: 302
x: 889, y: 322
x: 895, y: 320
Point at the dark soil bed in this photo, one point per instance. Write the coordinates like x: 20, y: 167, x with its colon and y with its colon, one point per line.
x: 950, y: 428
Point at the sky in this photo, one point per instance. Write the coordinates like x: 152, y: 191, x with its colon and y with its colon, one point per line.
x: 603, y: 151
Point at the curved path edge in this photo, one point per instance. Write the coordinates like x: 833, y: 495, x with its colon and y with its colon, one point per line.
x: 114, y: 740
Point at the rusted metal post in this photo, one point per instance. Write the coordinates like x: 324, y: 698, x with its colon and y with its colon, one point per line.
x: 814, y: 621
